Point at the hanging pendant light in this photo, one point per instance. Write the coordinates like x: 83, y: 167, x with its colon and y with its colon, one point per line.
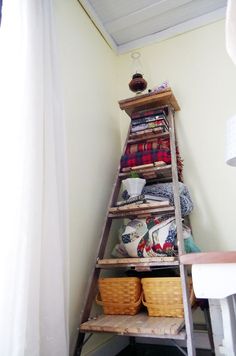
x: 137, y: 84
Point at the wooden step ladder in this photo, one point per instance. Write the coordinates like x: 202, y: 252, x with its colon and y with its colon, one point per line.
x: 141, y: 324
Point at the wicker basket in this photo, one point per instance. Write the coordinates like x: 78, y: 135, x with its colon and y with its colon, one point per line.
x: 163, y: 296
x: 120, y: 295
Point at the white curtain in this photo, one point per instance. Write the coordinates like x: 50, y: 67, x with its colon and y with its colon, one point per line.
x: 33, y: 186
x: 231, y: 29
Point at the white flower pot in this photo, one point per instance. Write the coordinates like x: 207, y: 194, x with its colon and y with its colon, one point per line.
x: 134, y: 186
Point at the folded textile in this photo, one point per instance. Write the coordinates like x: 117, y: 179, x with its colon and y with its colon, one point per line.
x: 145, y: 157
x: 150, y: 125
x: 190, y: 246
x: 141, y: 239
x: 146, y: 113
x: 166, y: 190
x: 159, y: 143
x: 145, y: 120
x: 152, y: 237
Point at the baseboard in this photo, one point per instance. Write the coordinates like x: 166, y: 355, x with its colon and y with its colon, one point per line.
x: 110, y: 348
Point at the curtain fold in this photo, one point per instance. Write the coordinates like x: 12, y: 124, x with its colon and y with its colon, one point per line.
x: 0, y: 11
x: 33, y: 185
x: 230, y: 26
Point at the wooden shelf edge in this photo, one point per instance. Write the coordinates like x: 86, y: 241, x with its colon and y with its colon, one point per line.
x: 139, y: 206
x: 140, y: 212
x: 149, y: 100
x: 137, y: 262
x: 160, y: 170
x: 208, y: 257
x: 138, y: 325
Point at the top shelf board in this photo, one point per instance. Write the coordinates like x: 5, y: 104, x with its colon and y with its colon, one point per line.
x: 149, y: 101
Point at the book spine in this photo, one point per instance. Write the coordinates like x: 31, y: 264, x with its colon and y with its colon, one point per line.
x: 142, y: 114
x: 148, y: 119
x: 139, y: 198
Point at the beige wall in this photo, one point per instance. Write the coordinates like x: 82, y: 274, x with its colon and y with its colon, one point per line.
x: 204, y: 82
x: 92, y: 117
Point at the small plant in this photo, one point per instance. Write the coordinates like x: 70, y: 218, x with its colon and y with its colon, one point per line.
x: 134, y: 174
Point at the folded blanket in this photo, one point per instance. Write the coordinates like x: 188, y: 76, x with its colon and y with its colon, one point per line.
x: 151, y: 237
x: 145, y: 120
x: 145, y: 157
x: 145, y: 113
x: 159, y: 143
x: 166, y: 190
x: 150, y: 125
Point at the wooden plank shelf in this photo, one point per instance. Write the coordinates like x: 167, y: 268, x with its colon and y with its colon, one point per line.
x: 148, y: 101
x: 141, y: 212
x: 153, y: 172
x: 137, y: 325
x: 137, y: 207
x: 137, y: 262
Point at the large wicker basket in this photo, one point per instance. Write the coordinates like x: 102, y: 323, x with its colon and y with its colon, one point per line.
x: 120, y: 295
x: 163, y: 296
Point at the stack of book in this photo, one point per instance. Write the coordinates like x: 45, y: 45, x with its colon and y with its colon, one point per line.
x: 151, y: 119
x: 143, y: 199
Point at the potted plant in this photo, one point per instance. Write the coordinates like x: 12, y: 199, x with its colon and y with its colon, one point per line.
x: 134, y: 185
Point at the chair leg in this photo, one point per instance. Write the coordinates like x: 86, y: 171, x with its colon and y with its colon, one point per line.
x: 209, y: 329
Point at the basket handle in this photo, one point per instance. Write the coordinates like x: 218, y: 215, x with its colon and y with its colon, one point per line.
x: 143, y: 300
x: 98, y: 300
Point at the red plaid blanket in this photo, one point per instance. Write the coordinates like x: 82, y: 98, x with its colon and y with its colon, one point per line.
x: 145, y: 157
x: 160, y: 143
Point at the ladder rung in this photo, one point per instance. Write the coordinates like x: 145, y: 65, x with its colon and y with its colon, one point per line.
x: 140, y: 212
x: 139, y: 206
x: 158, y: 171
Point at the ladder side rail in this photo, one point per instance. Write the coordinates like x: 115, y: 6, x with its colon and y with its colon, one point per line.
x: 94, y: 275
x: 112, y: 201
x: 181, y: 249
x: 175, y: 183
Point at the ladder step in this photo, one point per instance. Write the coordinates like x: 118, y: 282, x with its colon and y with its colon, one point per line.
x: 140, y: 212
x: 137, y: 262
x: 140, y: 206
x: 162, y: 172
x: 144, y: 167
x: 137, y: 325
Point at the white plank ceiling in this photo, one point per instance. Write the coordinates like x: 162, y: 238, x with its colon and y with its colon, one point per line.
x: 130, y: 24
